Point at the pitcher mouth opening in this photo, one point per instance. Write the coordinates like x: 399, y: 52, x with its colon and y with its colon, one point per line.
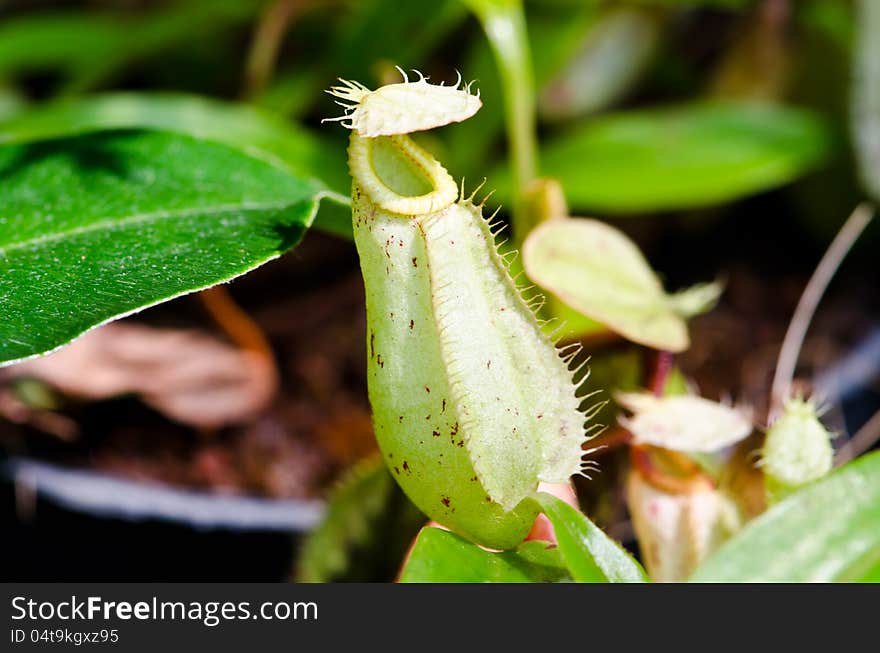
x: 399, y: 176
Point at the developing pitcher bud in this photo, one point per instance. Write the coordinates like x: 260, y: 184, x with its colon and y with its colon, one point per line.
x: 797, y: 450
x: 683, y: 422
x: 472, y: 404
x: 678, y: 531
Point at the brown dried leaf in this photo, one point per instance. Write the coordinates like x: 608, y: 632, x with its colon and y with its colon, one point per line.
x: 189, y: 376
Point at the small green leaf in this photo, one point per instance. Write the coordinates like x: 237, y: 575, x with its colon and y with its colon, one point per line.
x: 696, y: 300
x: 443, y: 557
x: 591, y: 556
x: 828, y: 531
x: 102, y: 225
x: 246, y: 128
x: 678, y: 158
x: 369, y: 525
x: 597, y: 270
x: 356, y: 501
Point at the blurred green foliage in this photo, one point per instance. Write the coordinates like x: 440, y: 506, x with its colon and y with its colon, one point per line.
x: 659, y: 158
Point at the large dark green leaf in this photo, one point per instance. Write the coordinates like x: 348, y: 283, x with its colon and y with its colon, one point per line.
x: 829, y: 531
x: 695, y: 155
x: 590, y: 555
x: 98, y: 226
x: 439, y: 556
x: 256, y: 133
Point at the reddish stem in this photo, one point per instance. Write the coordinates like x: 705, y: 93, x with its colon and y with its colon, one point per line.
x: 662, y: 367
x: 606, y: 442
